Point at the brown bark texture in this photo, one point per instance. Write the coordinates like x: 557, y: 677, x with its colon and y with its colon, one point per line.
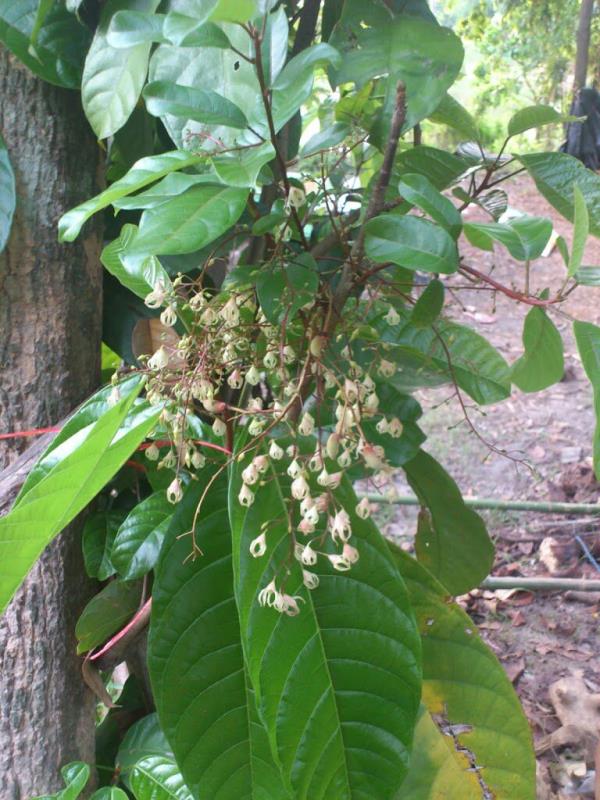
x: 50, y: 328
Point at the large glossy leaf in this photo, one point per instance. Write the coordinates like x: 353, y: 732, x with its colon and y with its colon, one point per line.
x: 425, y: 56
x: 61, y: 43
x: 542, y: 363
x: 98, y: 536
x: 452, y: 113
x: 241, y: 167
x: 195, y: 660
x: 411, y: 242
x: 184, y: 31
x: 587, y: 336
x: 140, y: 536
x: 158, y: 778
x: 452, y: 540
x: 533, y: 117
x: 441, y: 168
x: 106, y: 613
x: 524, y: 237
x: 449, y: 353
x: 109, y: 793
x: 140, y: 276
x: 556, y: 175
x: 8, y: 197
x: 283, y: 291
x: 64, y: 491
x: 113, y: 77
x: 171, y: 185
x: 200, y: 105
x: 419, y: 191
x: 581, y: 229
x: 144, y: 172
x: 144, y: 738
x: 438, y: 771
x: 75, y: 776
x: 338, y: 688
x: 189, y: 221
x: 130, y: 28
x: 470, y: 696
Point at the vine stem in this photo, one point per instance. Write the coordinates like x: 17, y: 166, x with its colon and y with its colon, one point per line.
x: 522, y: 298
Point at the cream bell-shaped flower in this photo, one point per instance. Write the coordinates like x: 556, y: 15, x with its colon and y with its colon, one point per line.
x: 275, y: 451
x: 310, y: 580
x: 392, y: 317
x: 306, y: 527
x: 345, y: 459
x: 316, y: 462
x: 340, y: 526
x: 395, y: 428
x: 246, y: 496
x: 387, y: 368
x: 363, y: 509
x: 349, y: 553
x: 219, y: 427
x: 261, y: 463
x: 373, y: 456
x: 235, y: 379
x: 152, y: 453
x: 169, y: 316
x: 160, y: 359
x: 230, y: 312
x: 286, y: 604
x: 312, y: 515
x: 339, y: 562
x: 308, y: 556
x: 157, y: 296
x: 300, y: 488
x: 258, y: 546
x: 294, y: 469
x: 198, y: 460
x: 174, y: 492
x: 332, y: 448
x: 267, y: 596
x: 306, y: 504
x: 307, y: 425
x: 250, y: 474
x: 253, y: 376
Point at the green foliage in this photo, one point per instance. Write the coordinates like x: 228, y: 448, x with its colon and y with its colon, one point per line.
x: 587, y: 336
x: 75, y: 776
x: 278, y: 279
x: 542, y: 363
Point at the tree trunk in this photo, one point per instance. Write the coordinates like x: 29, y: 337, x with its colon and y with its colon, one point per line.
x: 583, y: 44
x: 50, y: 328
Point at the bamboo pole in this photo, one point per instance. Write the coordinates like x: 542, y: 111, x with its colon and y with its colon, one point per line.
x: 505, y: 505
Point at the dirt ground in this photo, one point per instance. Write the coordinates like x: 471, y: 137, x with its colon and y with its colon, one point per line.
x: 540, y: 637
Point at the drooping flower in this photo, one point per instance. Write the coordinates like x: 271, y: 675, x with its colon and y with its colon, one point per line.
x: 350, y: 553
x: 230, y: 312
x: 307, y: 425
x: 219, y: 427
x: 268, y: 595
x: 250, y: 474
x: 300, y: 488
x: 340, y: 526
x: 309, y: 579
x: 174, y: 492
x: 258, y: 546
x: 363, y: 508
x: 308, y: 556
x: 253, y: 376
x: 152, y: 453
x: 169, y: 316
x: 157, y: 296
x: 246, y: 496
x: 160, y: 359
x: 339, y: 562
x: 392, y: 317
x: 275, y: 451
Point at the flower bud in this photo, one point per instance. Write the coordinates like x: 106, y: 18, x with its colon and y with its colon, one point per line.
x: 246, y: 496
x: 174, y: 492
x: 219, y: 428
x: 258, y: 546
x: 152, y: 453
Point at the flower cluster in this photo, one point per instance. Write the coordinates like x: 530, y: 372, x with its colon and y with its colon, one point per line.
x: 309, y: 409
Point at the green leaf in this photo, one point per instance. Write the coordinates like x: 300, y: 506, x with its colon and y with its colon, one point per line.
x: 61, y: 44
x: 326, y: 138
x: 97, y: 540
x: 441, y: 168
x: 189, y: 221
x: 294, y: 84
x: 410, y: 242
x: 48, y: 506
x: 233, y: 10
x: 425, y: 56
x: 542, y: 363
x: 241, y: 167
x: 106, y: 613
x: 195, y: 659
x: 556, y: 175
x: 187, y: 102
x: 453, y: 114
x: 588, y: 276
x: 144, y: 738
x: 131, y: 28
x: 158, y: 778
x: 144, y: 172
x: 337, y: 687
x: 452, y: 541
x: 581, y: 231
x: 534, y: 117
x: 109, y: 793
x: 429, y: 305
x: 43, y: 9
x: 436, y: 763
x: 463, y: 686
x: 113, y: 77
x: 171, y: 185
x: 283, y: 291
x: 185, y: 31
x: 424, y: 355
x: 587, y: 337
x: 8, y: 196
x: 420, y: 192
x: 525, y: 237
x: 75, y: 776
x: 139, y: 538
x: 139, y: 276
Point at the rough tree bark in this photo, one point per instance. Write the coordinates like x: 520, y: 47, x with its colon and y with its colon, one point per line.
x: 583, y: 44
x: 50, y: 327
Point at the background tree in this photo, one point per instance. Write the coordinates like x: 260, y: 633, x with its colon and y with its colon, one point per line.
x: 50, y: 323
